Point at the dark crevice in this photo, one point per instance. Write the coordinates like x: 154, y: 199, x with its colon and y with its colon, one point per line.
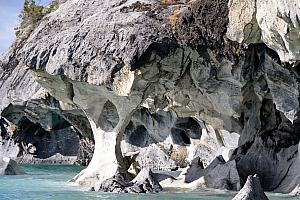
x: 162, y: 49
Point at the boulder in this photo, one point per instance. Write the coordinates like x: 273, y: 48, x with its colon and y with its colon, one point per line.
x: 219, y: 174
x: 144, y: 182
x: 116, y: 184
x: 252, y: 190
x: 9, y: 167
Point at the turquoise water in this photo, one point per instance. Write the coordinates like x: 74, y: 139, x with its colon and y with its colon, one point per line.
x: 44, y: 182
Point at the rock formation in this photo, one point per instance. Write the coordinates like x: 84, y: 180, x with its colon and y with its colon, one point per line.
x: 251, y: 190
x: 144, y: 182
x: 188, y: 78
x: 27, y: 142
x: 9, y: 167
x: 218, y: 174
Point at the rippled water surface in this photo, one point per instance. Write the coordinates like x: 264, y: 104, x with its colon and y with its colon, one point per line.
x: 44, y: 182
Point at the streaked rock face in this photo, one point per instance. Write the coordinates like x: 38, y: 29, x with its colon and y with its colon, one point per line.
x: 273, y: 22
x: 175, y: 82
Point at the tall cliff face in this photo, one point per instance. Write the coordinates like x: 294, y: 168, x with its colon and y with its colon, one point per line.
x: 182, y: 79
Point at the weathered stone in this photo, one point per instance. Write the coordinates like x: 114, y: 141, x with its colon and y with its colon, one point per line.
x: 276, y: 23
x: 296, y: 191
x: 218, y: 174
x: 9, y: 167
x: 8, y: 148
x: 38, y: 138
x: 166, y: 73
x: 117, y: 183
x: 251, y: 190
x: 56, y: 159
x: 154, y: 158
x: 144, y: 182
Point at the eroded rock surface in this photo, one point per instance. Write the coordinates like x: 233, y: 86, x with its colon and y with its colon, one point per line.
x: 9, y: 167
x: 144, y: 182
x: 276, y: 23
x: 251, y: 190
x: 195, y: 79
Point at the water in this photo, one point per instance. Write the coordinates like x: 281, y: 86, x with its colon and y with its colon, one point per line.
x: 44, y: 182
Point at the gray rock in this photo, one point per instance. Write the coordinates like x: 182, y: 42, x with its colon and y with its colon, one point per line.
x: 168, y: 73
x: 252, y: 190
x: 56, y: 159
x: 9, y: 167
x: 154, y: 158
x: 219, y: 174
x: 8, y: 148
x: 267, y: 25
x: 117, y: 184
x: 144, y: 182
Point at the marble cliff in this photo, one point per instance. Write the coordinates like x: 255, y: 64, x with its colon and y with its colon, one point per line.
x: 209, y: 86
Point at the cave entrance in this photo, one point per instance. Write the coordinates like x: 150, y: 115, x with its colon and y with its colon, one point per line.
x: 185, y: 129
x: 137, y: 135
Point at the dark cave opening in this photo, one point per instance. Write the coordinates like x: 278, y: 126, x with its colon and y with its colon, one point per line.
x: 185, y: 138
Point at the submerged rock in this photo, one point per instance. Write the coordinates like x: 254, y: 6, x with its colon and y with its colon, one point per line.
x: 252, y: 190
x: 9, y: 167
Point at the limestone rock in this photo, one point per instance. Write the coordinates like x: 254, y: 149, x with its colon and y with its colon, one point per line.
x: 219, y: 174
x: 154, y: 158
x: 273, y: 22
x: 143, y: 72
x: 144, y: 182
x: 251, y: 190
x: 117, y: 183
x: 8, y: 148
x: 56, y: 159
x: 296, y: 191
x: 9, y: 167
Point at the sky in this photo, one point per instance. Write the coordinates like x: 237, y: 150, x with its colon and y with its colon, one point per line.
x: 9, y: 19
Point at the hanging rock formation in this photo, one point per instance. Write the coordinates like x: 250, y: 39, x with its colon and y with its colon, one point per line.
x: 188, y: 78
